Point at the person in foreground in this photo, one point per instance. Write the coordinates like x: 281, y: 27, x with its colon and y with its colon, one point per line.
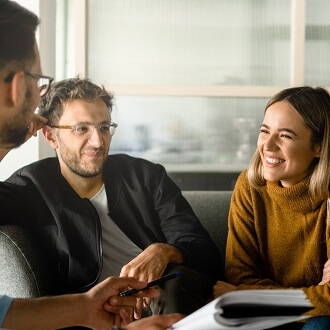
x: 278, y: 226
x: 99, y: 308
x: 117, y: 215
x: 21, y: 85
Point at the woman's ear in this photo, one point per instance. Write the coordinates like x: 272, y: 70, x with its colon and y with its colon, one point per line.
x: 50, y: 136
x: 17, y: 90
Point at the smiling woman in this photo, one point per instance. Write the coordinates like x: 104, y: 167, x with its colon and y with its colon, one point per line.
x: 297, y: 122
x: 285, y: 145
x: 278, y: 232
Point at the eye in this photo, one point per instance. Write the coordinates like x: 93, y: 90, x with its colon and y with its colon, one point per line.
x: 81, y: 129
x: 263, y: 131
x: 285, y: 136
x: 105, y: 128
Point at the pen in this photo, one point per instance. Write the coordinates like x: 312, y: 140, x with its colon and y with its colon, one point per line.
x: 150, y: 284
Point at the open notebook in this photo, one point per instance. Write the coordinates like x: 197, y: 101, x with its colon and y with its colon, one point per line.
x: 248, y: 310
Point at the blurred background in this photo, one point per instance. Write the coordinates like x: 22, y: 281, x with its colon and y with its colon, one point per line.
x: 191, y: 78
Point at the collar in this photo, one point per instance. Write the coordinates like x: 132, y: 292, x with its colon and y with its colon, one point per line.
x: 296, y: 197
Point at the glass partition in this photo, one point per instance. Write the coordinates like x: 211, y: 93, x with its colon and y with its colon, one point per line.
x: 189, y: 42
x: 208, y: 133
x: 317, y: 50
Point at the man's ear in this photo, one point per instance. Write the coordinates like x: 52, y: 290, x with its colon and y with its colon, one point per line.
x: 17, y: 91
x: 50, y: 137
x: 317, y: 150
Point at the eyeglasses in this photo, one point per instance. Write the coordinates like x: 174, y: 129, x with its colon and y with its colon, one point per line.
x: 44, y: 82
x: 86, y: 130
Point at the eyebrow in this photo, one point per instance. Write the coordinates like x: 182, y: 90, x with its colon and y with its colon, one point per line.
x: 89, y: 123
x: 289, y: 130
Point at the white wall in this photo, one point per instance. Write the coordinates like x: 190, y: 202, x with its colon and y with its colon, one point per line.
x: 19, y: 157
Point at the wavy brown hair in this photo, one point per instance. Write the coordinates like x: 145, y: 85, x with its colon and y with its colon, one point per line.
x: 51, y: 105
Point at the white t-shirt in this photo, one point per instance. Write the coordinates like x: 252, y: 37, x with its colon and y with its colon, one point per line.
x: 118, y: 249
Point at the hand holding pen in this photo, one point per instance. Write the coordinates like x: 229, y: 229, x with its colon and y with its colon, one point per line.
x: 150, y: 284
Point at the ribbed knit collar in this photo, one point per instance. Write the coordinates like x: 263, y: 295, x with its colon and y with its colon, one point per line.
x: 296, y: 198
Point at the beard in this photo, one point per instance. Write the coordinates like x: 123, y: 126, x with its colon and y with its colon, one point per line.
x: 14, y: 131
x: 79, y: 166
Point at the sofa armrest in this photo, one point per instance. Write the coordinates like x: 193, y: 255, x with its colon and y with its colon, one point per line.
x: 24, y: 270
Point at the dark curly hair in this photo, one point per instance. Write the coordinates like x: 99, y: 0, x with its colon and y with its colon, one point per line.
x: 51, y: 105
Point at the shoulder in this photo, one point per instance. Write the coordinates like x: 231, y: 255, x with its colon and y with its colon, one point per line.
x: 45, y: 171
x: 243, y: 185
x: 242, y: 180
x: 245, y: 196
x: 128, y: 165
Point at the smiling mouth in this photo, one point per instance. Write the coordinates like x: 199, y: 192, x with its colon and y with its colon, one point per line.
x: 273, y: 161
x: 91, y: 153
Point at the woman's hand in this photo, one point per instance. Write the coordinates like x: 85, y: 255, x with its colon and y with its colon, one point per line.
x: 155, y: 322
x: 221, y: 288
x: 326, y: 273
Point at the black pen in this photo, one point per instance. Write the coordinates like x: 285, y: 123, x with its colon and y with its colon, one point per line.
x: 150, y: 284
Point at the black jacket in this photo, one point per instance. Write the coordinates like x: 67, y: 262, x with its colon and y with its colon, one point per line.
x: 143, y: 201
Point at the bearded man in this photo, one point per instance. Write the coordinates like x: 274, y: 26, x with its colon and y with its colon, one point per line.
x: 117, y: 215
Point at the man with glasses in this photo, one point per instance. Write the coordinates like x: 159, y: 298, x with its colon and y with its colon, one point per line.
x: 117, y: 215
x: 21, y: 85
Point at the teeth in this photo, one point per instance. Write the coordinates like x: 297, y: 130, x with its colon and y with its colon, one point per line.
x: 273, y: 160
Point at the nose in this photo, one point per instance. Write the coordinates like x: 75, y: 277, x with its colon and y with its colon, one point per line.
x: 270, y: 143
x: 95, y: 139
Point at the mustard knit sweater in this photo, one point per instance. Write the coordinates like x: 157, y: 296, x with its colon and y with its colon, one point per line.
x: 277, y: 239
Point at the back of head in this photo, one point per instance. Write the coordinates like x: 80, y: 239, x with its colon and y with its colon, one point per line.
x: 313, y: 104
x: 17, y: 35
x: 51, y: 106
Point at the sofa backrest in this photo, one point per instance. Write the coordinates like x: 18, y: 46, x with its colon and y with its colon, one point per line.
x: 24, y: 271
x: 212, y: 207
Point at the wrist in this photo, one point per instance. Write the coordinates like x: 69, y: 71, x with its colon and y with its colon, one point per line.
x: 84, y: 301
x: 170, y: 252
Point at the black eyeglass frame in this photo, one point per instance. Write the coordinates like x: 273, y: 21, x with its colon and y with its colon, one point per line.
x: 36, y: 76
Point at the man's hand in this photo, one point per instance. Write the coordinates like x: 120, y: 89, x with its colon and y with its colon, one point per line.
x: 326, y: 273
x: 221, y: 288
x: 99, y: 308
x: 156, y: 322
x: 149, y: 265
x: 36, y: 123
x: 103, y: 306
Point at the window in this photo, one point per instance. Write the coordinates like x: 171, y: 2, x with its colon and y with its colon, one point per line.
x: 191, y: 78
